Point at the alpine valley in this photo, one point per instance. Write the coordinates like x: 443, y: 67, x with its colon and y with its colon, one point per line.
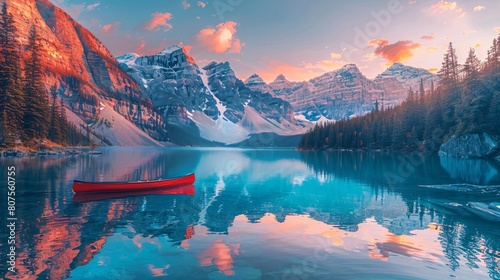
x: 167, y: 98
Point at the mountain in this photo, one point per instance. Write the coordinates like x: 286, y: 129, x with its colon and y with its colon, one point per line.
x: 346, y: 92
x: 209, y: 103
x: 85, y: 73
x: 408, y: 76
x: 256, y: 83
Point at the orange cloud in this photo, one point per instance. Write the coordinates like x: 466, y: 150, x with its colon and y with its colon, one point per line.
x: 428, y: 37
x: 158, y: 21
x: 399, y: 51
x: 202, y: 4
x: 497, y: 29
x: 433, y: 70
x: 221, y: 39
x: 110, y: 27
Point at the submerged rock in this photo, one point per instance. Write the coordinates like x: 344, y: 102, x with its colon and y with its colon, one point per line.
x: 471, y: 146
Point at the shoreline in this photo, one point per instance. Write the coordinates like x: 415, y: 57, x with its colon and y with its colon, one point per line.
x: 55, y: 151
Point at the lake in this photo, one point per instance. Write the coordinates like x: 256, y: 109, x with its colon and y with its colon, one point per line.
x: 253, y: 214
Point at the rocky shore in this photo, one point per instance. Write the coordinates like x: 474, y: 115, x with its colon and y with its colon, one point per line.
x: 478, y: 145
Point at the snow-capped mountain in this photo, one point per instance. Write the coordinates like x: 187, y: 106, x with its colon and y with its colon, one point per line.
x: 212, y: 100
x: 408, y: 76
x: 256, y: 83
x: 332, y: 96
x: 346, y: 92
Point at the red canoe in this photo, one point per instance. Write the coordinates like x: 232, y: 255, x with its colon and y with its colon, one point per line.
x: 86, y: 187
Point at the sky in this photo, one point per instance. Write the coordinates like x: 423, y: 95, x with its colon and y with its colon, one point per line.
x: 298, y: 38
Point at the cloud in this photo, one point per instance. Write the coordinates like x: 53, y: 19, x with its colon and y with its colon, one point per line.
x: 479, y: 8
x: 427, y: 37
x: 399, y: 51
x: 220, y: 39
x: 444, y: 6
x: 468, y: 32
x: 92, y: 6
x: 433, y: 70
x: 110, y: 27
x: 185, y: 5
x: 326, y: 65
x: 158, y: 21
x: 202, y: 4
x: 497, y: 29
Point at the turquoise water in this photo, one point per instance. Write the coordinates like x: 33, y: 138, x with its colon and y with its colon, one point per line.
x: 255, y: 214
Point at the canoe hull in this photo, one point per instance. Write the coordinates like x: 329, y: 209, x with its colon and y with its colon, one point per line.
x: 90, y: 187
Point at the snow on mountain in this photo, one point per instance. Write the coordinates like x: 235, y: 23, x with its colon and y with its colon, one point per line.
x: 213, y: 99
x: 409, y: 76
x: 346, y: 93
x: 256, y: 83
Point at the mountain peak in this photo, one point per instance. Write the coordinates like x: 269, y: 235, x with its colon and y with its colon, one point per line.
x: 397, y: 64
x: 255, y: 78
x: 280, y: 78
x: 171, y: 49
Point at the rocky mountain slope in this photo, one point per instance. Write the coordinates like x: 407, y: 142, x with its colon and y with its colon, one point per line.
x: 81, y: 67
x: 346, y: 92
x: 211, y: 103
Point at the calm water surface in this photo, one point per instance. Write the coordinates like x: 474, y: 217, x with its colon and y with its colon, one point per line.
x: 254, y: 214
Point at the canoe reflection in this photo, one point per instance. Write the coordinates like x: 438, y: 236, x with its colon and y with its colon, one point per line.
x: 88, y: 197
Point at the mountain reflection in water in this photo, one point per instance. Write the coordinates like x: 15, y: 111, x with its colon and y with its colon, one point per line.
x: 270, y: 214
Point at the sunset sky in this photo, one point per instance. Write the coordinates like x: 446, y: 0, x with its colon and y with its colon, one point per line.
x: 300, y: 39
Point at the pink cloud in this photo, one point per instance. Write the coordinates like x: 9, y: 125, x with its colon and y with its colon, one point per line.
x: 202, y: 4
x: 428, y: 37
x: 399, y: 51
x: 186, y: 5
x: 158, y: 21
x: 110, y: 27
x: 444, y: 6
x: 220, y: 39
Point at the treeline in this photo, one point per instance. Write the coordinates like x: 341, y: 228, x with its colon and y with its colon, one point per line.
x: 466, y: 100
x: 27, y: 113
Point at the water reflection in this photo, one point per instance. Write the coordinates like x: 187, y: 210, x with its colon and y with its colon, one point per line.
x: 308, y: 213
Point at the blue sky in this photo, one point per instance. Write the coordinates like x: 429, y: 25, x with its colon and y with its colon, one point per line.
x: 301, y: 39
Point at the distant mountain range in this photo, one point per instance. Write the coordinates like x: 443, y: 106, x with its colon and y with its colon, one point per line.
x: 144, y: 100
x: 346, y: 92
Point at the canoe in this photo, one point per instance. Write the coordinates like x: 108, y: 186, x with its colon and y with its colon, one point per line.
x: 95, y: 196
x: 485, y: 211
x: 86, y: 187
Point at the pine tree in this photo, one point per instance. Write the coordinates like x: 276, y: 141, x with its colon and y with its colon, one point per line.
x: 471, y: 69
x: 449, y: 69
x: 421, y: 92
x: 11, y: 98
x: 55, y: 125
x: 35, y: 117
x: 63, y: 120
